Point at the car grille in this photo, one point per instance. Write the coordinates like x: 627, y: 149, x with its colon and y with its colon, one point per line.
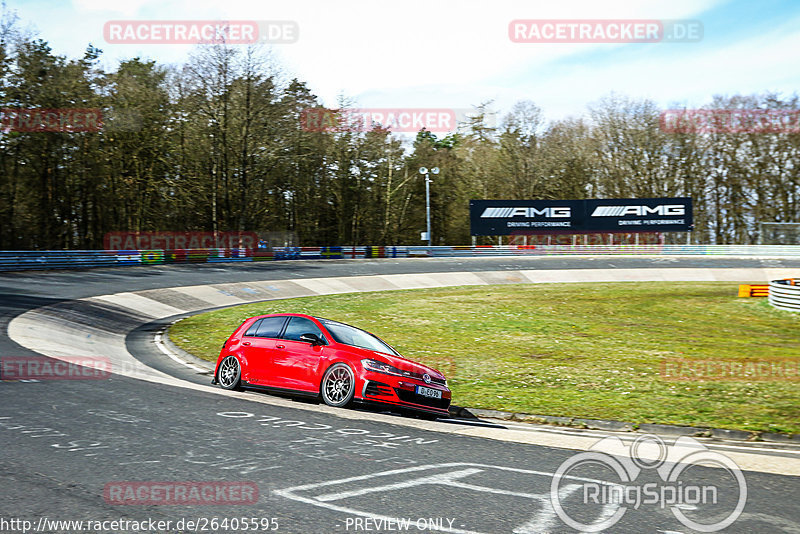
x: 412, y: 397
x: 377, y: 388
x: 418, y: 376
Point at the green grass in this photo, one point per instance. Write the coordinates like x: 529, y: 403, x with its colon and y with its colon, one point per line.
x: 579, y: 350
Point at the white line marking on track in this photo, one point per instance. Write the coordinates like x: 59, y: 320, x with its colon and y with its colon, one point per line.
x: 448, y: 479
x: 163, y: 348
x: 633, y: 437
x: 544, y: 516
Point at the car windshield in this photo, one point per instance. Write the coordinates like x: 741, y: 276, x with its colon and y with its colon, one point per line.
x: 350, y: 335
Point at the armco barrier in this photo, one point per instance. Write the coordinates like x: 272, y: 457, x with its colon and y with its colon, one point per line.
x: 81, y: 259
x: 545, y: 250
x: 785, y: 294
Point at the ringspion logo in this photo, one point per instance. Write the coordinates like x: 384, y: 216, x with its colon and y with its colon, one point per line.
x: 648, y: 473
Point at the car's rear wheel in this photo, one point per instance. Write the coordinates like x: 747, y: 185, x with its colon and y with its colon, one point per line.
x: 229, y: 374
x: 338, y: 385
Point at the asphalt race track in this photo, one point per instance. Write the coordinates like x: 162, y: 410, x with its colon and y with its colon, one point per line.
x: 71, y: 448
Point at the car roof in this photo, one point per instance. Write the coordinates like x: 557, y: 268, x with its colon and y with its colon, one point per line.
x: 321, y: 319
x: 282, y: 315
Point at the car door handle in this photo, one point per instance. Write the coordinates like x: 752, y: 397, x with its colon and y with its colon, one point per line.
x: 245, y: 343
x: 280, y: 346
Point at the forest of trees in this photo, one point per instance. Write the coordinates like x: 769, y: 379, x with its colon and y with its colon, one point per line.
x: 216, y: 144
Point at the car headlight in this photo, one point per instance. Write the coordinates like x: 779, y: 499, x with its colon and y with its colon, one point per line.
x: 380, y: 367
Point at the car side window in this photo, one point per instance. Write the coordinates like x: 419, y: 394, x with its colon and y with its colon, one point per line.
x: 299, y: 326
x: 270, y: 326
x: 253, y: 328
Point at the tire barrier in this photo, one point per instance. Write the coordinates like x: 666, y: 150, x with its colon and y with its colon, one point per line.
x: 82, y: 259
x: 785, y: 294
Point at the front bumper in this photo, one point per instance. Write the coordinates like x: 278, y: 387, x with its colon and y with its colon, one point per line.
x: 403, y: 393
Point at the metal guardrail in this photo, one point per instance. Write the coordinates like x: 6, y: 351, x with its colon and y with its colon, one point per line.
x: 82, y: 259
x: 56, y: 259
x: 785, y: 294
x: 654, y: 249
x: 27, y: 260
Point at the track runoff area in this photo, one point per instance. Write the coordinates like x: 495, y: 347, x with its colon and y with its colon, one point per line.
x: 158, y: 453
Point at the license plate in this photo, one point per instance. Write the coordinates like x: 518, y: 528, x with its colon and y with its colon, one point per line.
x: 429, y: 392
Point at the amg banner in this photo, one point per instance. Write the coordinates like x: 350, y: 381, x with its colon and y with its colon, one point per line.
x: 506, y: 217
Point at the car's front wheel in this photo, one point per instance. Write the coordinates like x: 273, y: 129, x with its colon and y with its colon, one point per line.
x: 229, y: 374
x: 338, y: 385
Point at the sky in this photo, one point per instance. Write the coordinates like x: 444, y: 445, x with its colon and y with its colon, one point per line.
x: 456, y: 54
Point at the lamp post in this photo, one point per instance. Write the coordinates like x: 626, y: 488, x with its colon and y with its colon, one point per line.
x: 424, y: 171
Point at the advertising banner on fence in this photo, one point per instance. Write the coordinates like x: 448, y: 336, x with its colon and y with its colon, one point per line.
x: 508, y: 217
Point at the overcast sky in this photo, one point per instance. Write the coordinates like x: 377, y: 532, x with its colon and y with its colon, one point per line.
x: 457, y: 53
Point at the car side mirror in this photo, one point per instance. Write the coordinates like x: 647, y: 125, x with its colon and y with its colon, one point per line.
x: 311, y: 338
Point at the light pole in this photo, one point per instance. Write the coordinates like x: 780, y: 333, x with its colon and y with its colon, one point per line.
x: 424, y: 170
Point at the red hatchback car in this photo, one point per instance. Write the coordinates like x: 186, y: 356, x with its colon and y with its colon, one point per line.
x: 303, y: 355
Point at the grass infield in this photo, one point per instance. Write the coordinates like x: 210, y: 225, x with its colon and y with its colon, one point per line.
x: 629, y: 351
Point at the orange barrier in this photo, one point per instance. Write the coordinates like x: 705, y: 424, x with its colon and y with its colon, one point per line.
x: 753, y: 290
